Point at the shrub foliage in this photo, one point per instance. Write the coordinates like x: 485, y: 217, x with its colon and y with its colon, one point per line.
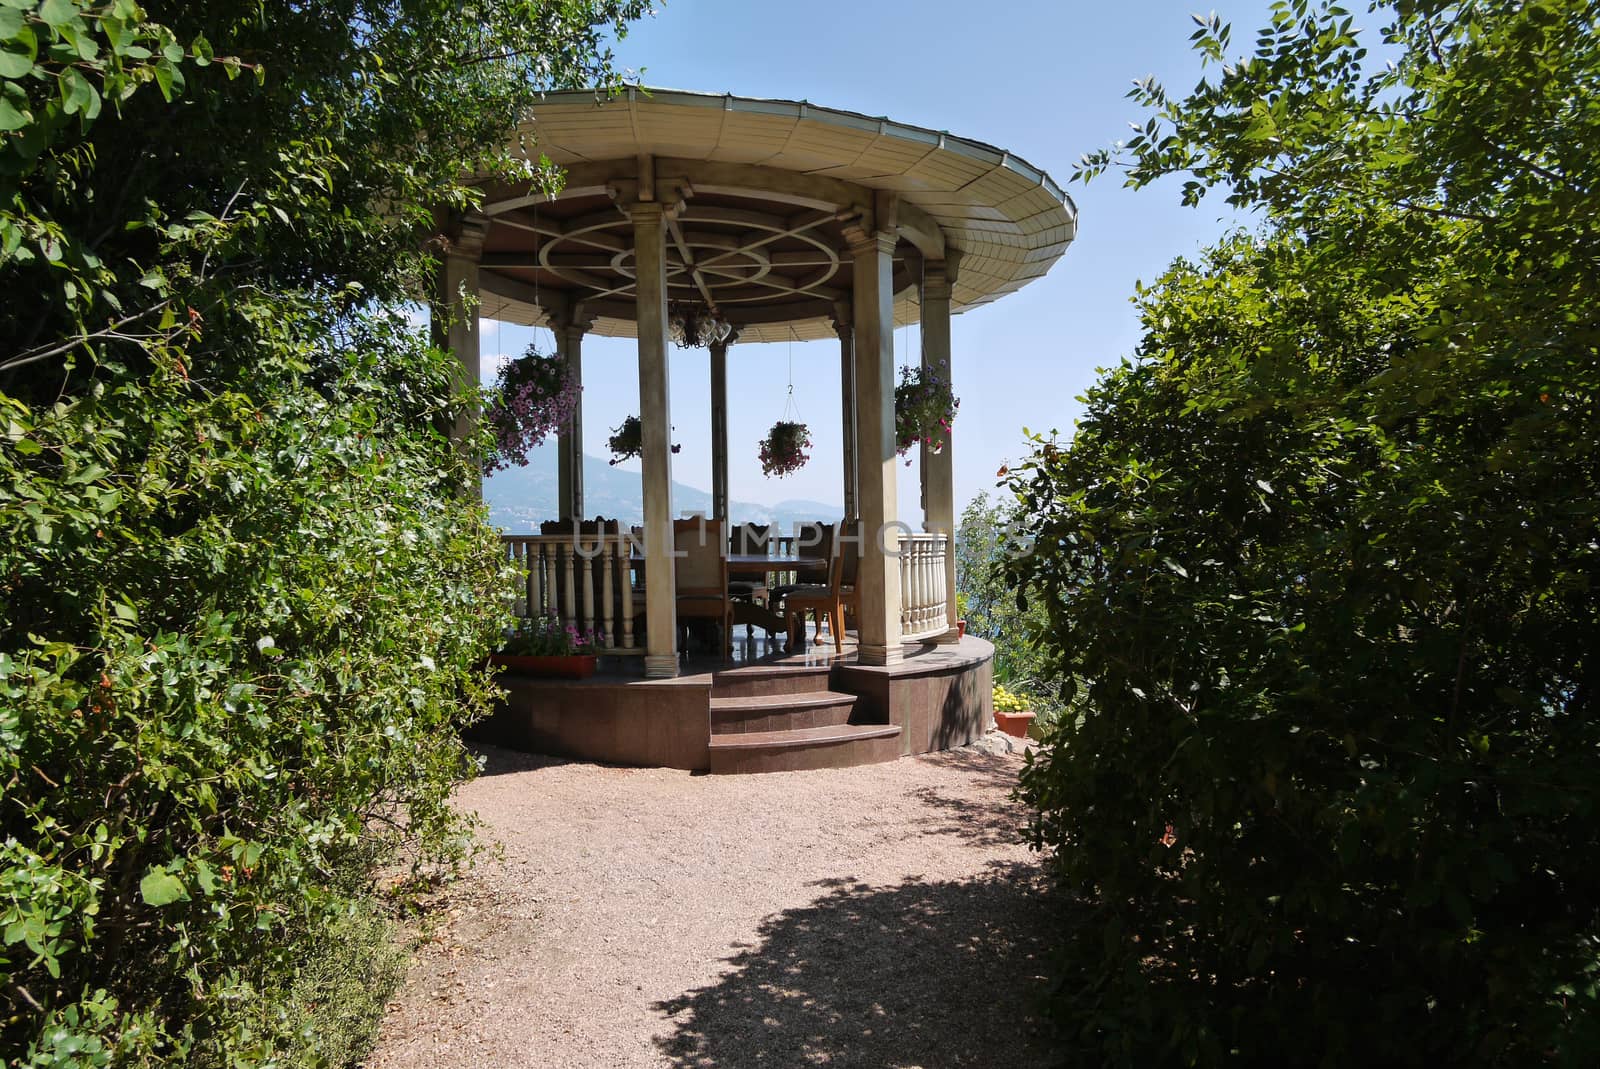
x: 244, y: 600
x: 1326, y: 550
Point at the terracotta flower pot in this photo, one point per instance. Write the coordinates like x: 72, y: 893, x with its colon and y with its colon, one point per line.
x: 961, y: 629
x: 1015, y: 724
x: 573, y: 666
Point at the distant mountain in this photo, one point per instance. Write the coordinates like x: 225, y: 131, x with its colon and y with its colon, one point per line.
x: 520, y: 498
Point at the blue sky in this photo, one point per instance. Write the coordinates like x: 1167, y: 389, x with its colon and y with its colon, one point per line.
x: 1044, y: 80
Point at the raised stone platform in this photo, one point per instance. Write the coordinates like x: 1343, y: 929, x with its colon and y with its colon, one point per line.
x: 760, y: 714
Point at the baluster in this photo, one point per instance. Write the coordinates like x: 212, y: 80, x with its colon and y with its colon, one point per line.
x: 569, y: 596
x: 536, y: 564
x: 922, y: 586
x: 908, y: 588
x: 910, y: 593
x: 607, y: 559
x: 526, y: 608
x: 588, y: 589
x: 943, y: 572
x: 625, y: 569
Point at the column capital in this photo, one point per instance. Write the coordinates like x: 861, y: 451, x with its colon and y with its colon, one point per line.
x: 843, y: 319
x: 864, y: 242
x: 939, y: 276
x: 574, y: 322
x: 463, y: 238
x: 662, y: 198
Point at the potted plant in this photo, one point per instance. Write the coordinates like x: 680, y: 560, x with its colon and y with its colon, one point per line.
x: 532, y: 397
x: 924, y: 408
x: 783, y: 450
x: 1012, y: 713
x: 544, y: 646
x: 961, y: 614
x: 627, y: 441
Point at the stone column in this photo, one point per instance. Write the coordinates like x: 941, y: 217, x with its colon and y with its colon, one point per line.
x: 847, y: 398
x: 569, y: 332
x: 938, y: 472
x: 455, y: 323
x: 879, y: 621
x: 719, y: 429
x: 655, y: 417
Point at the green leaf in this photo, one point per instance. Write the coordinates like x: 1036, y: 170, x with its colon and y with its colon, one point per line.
x: 58, y: 12
x: 18, y: 51
x: 160, y: 888
x: 11, y: 119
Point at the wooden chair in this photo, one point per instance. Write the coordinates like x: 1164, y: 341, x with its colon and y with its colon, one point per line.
x: 829, y: 598
x: 813, y: 540
x: 702, y: 576
x: 748, y: 538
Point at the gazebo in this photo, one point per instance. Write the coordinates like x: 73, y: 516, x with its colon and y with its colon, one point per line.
x: 779, y: 220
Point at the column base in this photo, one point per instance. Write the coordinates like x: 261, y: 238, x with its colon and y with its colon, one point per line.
x: 661, y: 666
x: 949, y: 638
x: 880, y: 655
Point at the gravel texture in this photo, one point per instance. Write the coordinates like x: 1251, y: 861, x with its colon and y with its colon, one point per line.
x: 884, y: 916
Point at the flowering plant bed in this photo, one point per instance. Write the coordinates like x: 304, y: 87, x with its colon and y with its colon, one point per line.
x: 783, y: 450
x: 543, y: 645
x: 533, y: 396
x: 924, y: 408
x: 573, y: 666
x: 547, y: 636
x: 627, y: 441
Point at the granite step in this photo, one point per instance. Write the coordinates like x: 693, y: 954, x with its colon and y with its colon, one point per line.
x: 778, y: 712
x: 764, y: 679
x: 799, y: 749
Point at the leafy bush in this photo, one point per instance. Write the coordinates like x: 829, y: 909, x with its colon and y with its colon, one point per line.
x: 988, y: 535
x: 1326, y: 551
x: 245, y: 588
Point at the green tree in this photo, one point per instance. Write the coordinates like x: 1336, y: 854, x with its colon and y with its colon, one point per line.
x: 243, y: 600
x: 989, y: 534
x: 1327, y: 550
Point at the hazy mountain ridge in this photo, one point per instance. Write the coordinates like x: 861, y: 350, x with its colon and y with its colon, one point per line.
x: 519, y: 498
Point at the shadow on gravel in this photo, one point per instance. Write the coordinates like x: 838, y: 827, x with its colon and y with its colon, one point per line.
x: 498, y: 761
x: 994, y: 820
x: 934, y: 975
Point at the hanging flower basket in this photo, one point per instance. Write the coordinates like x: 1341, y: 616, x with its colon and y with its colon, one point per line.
x: 783, y: 450
x: 533, y: 397
x: 924, y: 408
x: 627, y: 441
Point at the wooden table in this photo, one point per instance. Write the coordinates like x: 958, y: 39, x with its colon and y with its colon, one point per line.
x: 748, y: 612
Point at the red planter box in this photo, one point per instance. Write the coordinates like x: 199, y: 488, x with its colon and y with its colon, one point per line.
x: 577, y: 666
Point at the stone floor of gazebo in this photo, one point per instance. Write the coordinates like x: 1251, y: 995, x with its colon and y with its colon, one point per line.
x: 766, y: 710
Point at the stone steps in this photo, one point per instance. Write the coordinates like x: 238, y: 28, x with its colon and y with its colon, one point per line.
x: 765, y: 680
x: 780, y: 712
x: 801, y: 748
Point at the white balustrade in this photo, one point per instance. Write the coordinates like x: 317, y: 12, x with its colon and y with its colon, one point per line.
x: 585, y: 580
x: 924, y: 611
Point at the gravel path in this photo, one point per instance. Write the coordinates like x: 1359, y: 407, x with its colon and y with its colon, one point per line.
x: 878, y: 916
